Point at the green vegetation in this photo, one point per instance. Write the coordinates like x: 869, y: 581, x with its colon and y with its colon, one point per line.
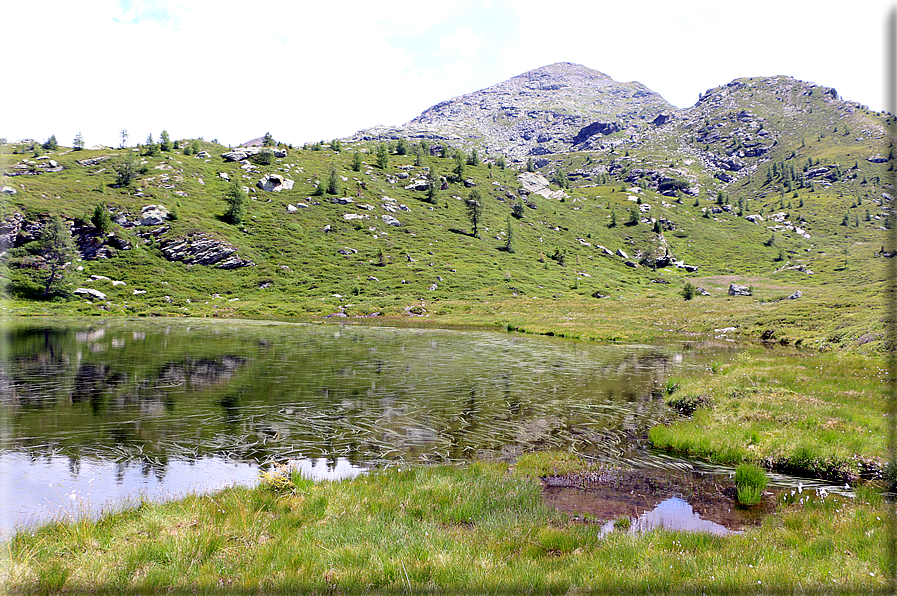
x: 749, y: 484
x: 806, y: 413
x: 236, y: 200
x: 471, y: 529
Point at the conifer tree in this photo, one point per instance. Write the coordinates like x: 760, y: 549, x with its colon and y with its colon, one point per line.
x: 57, y: 249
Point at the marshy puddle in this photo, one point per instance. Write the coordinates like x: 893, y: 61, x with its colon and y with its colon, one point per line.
x: 638, y: 500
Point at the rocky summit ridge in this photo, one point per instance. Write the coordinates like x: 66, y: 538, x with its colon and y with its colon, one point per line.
x: 543, y: 111
x: 566, y: 107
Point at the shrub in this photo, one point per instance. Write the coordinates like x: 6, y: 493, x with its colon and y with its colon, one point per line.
x: 265, y: 157
x: 749, y: 484
x: 688, y: 291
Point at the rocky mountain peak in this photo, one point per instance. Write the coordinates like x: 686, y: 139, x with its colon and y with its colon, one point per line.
x: 538, y: 112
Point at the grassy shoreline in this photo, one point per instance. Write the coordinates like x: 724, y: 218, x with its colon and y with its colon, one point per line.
x: 483, y: 528
x: 474, y: 529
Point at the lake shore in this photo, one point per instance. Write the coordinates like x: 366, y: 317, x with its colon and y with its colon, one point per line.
x: 485, y: 528
x: 481, y: 528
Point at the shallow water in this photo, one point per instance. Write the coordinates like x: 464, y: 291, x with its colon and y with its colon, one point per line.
x: 94, y: 412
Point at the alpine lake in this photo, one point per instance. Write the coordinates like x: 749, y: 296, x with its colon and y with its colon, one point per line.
x: 98, y: 414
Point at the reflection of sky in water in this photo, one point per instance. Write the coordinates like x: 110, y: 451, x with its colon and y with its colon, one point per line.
x: 672, y: 514
x: 35, y: 490
x: 677, y: 514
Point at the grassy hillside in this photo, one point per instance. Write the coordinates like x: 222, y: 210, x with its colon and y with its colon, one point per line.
x: 433, y: 265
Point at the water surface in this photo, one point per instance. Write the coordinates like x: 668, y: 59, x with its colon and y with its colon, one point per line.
x: 96, y: 411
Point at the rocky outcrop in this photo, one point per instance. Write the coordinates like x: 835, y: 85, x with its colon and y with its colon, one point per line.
x: 200, y: 249
x: 9, y: 230
x: 153, y: 215
x: 91, y: 293
x: 274, y: 183
x: 737, y: 290
x: 537, y: 184
x: 595, y: 128
x: 241, y: 153
x: 92, y: 161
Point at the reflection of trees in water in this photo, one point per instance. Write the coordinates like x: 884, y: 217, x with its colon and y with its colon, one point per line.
x: 366, y: 395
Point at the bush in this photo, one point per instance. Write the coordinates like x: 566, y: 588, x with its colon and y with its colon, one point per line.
x: 688, y: 291
x: 265, y: 157
x: 749, y: 484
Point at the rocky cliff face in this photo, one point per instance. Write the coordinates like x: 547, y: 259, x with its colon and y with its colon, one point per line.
x: 547, y: 110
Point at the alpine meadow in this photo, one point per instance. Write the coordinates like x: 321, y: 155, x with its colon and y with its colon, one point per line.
x: 559, y: 206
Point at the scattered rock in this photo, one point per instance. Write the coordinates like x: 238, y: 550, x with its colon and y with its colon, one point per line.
x: 291, y: 208
x: 199, y: 249
x: 327, y: 228
x: 390, y: 220
x: 342, y: 201
x: 92, y: 161
x: 622, y: 253
x: 794, y: 296
x: 91, y: 293
x: 8, y: 190
x: 153, y: 215
x: 736, y: 290
x: 274, y: 183
x: 347, y: 251
x: 702, y: 291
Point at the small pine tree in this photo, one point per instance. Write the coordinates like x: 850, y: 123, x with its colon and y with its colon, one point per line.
x: 51, y: 144
x: 336, y: 145
x: 402, y: 147
x: 152, y: 149
x: 356, y: 162
x: 382, y: 156
x: 101, y: 220
x: 268, y: 140
x: 333, y: 182
x: 509, y: 242
x: 474, y: 211
x: 517, y: 211
x: 165, y: 141
x: 57, y: 249
x: 613, y: 219
x: 530, y: 166
x: 688, y: 291
x: 78, y: 143
x: 473, y: 159
x: 431, y: 187
x: 460, y: 162
x: 500, y: 162
x: 236, y: 199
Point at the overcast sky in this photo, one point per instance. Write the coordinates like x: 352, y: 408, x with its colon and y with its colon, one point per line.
x: 317, y: 70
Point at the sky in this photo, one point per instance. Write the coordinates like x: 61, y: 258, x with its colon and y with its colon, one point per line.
x: 306, y: 71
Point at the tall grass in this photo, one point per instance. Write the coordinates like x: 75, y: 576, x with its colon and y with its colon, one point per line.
x: 749, y: 484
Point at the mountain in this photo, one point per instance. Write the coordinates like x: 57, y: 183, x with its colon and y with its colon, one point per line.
x: 766, y: 182
x: 542, y: 111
